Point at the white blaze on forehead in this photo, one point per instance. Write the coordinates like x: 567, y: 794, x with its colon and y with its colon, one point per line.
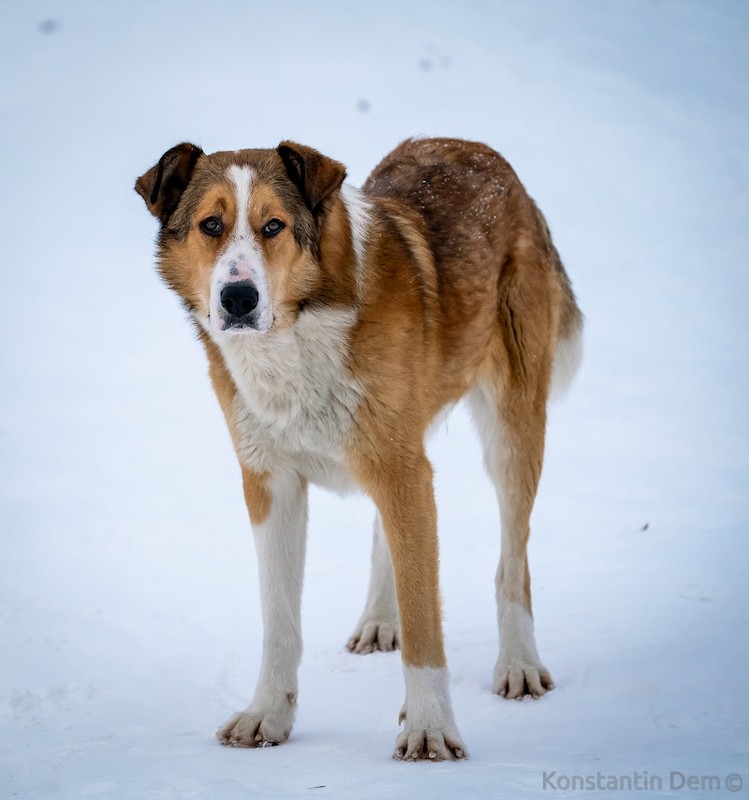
x: 242, y: 259
x: 242, y: 178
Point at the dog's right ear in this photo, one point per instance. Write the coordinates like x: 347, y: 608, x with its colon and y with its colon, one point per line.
x: 162, y: 186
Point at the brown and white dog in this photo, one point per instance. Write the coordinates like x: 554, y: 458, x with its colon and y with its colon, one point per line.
x: 337, y: 323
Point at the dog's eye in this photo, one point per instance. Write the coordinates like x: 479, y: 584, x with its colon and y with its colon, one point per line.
x: 272, y: 228
x: 212, y: 226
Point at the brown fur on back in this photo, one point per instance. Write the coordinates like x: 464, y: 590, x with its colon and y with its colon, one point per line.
x: 495, y: 268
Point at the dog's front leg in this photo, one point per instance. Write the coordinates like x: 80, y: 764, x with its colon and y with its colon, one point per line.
x: 278, y: 511
x: 402, y: 489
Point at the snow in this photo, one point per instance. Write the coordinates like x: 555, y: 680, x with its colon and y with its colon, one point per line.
x: 129, y: 618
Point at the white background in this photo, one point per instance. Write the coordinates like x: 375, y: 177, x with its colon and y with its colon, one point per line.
x: 129, y: 619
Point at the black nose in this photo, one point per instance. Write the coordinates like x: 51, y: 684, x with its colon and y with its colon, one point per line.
x: 239, y: 299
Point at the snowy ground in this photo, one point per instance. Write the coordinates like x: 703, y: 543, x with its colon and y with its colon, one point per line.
x: 129, y: 620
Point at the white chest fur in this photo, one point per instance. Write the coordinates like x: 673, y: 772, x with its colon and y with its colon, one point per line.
x: 297, y: 398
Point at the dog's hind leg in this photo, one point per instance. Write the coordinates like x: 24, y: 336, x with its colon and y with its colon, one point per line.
x: 379, y: 625
x: 512, y: 429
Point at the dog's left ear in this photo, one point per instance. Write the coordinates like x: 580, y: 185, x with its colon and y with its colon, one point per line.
x: 162, y: 186
x: 316, y: 175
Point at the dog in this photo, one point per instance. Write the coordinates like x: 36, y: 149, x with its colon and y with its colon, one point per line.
x: 338, y: 322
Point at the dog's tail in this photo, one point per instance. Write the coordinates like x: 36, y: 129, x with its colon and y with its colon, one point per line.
x: 569, y: 341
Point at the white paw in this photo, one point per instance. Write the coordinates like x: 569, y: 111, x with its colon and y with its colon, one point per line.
x: 433, y: 743
x: 518, y: 677
x: 429, y: 745
x: 430, y: 732
x: 256, y: 728
x: 372, y: 635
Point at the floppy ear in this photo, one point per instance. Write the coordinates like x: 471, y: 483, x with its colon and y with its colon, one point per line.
x: 316, y: 175
x: 162, y: 186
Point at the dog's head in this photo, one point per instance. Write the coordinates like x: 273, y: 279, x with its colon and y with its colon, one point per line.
x: 241, y: 231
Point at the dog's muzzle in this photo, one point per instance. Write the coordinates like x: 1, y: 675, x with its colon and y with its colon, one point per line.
x: 239, y: 301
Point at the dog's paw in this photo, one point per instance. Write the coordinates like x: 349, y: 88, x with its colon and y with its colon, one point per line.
x: 421, y: 743
x: 521, y: 677
x: 429, y: 731
x: 372, y: 635
x: 256, y: 729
